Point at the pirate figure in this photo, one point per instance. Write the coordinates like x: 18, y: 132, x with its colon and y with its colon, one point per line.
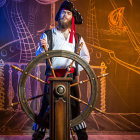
x: 63, y: 37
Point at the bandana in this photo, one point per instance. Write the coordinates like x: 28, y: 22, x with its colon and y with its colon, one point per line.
x: 73, y: 30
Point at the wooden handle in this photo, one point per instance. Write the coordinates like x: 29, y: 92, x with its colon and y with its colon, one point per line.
x: 69, y: 68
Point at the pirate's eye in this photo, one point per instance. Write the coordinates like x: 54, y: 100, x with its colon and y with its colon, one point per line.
x: 69, y: 13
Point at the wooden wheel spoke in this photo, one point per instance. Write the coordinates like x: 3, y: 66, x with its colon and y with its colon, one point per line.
x: 50, y: 63
x: 85, y: 103
x: 84, y: 81
x: 30, y: 99
x: 72, y: 133
x: 52, y: 69
x: 69, y: 68
x: 36, y: 78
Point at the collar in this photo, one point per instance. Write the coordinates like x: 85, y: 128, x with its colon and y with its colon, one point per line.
x: 55, y: 30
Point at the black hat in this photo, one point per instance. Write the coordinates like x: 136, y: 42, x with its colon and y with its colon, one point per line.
x: 69, y: 6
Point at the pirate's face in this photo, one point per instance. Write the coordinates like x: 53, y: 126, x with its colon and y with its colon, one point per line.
x: 65, y: 15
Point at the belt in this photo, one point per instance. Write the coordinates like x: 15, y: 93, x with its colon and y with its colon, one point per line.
x: 61, y: 73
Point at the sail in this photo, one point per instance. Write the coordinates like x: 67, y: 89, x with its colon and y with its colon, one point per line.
x: 115, y: 18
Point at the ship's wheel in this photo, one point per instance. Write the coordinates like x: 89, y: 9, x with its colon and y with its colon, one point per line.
x: 66, y: 54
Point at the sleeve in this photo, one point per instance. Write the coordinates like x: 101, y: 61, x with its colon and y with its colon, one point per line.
x: 84, y: 53
x: 40, y: 50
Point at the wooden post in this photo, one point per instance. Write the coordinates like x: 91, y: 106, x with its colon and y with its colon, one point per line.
x: 60, y: 108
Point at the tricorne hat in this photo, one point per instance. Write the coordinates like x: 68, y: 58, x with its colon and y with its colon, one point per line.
x: 69, y: 6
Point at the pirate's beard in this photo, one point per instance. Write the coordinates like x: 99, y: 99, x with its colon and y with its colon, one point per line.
x: 64, y: 25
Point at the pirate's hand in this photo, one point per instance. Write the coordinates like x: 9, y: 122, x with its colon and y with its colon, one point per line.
x: 43, y: 44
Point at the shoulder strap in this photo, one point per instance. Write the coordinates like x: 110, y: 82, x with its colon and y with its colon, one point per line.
x: 77, y: 44
x: 76, y: 49
x: 49, y: 39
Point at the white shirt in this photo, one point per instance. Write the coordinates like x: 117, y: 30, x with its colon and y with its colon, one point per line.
x: 60, y: 43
